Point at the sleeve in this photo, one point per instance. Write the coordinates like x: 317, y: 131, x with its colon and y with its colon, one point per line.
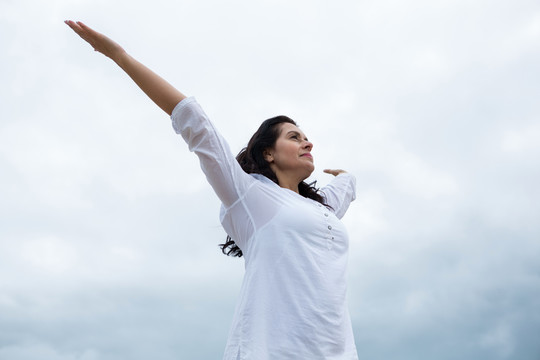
x: 218, y: 163
x: 340, y: 193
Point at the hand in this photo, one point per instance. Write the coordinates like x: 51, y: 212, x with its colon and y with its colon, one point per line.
x: 334, y: 172
x: 98, y: 41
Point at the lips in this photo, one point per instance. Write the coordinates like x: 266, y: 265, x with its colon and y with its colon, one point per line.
x: 307, y: 155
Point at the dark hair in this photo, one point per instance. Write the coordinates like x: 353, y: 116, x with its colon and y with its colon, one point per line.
x: 252, y: 161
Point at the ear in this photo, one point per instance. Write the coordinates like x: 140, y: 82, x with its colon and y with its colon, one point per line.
x: 268, y: 155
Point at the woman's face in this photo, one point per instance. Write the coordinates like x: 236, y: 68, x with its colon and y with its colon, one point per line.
x: 291, y: 155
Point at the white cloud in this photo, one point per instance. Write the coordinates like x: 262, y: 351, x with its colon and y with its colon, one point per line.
x: 518, y: 142
x: 499, y: 340
x: 36, y: 350
x: 49, y: 254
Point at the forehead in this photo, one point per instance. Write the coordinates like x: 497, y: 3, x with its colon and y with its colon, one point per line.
x: 286, y: 128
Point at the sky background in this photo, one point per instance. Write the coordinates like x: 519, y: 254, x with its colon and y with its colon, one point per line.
x: 109, y: 232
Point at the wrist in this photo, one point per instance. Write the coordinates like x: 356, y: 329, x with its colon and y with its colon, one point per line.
x: 121, y: 57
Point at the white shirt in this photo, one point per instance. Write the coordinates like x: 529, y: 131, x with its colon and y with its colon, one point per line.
x: 293, y: 301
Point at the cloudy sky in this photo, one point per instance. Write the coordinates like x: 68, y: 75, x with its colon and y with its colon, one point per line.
x: 109, y: 232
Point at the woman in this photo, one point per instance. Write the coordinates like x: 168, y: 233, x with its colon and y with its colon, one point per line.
x: 293, y: 298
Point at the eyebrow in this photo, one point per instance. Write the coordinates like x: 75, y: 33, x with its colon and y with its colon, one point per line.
x: 297, y: 133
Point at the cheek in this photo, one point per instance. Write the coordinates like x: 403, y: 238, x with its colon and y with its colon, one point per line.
x: 287, y: 151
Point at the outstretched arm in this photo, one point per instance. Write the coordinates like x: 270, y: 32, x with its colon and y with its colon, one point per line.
x: 160, y: 91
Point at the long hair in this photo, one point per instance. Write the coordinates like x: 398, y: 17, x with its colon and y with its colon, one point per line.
x: 251, y: 159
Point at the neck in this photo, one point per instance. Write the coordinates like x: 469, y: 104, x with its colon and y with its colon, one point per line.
x: 290, y: 187
x: 289, y: 183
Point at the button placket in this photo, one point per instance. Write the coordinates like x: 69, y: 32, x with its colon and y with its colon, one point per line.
x: 329, y: 233
x: 329, y: 236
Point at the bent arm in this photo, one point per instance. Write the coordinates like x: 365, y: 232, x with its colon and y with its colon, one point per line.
x: 158, y: 89
x: 340, y: 192
x: 334, y: 172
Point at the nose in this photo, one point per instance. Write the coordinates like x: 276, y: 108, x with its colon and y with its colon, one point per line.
x: 308, y: 145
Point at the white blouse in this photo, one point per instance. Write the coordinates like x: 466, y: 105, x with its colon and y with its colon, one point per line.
x: 293, y: 302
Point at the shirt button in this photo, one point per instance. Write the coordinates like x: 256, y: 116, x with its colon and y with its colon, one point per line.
x: 325, y: 214
x: 329, y: 227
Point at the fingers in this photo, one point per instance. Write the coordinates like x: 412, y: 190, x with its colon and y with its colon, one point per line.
x: 98, y: 41
x: 334, y: 172
x: 84, y: 26
x: 88, y: 30
x: 74, y: 26
x: 82, y: 30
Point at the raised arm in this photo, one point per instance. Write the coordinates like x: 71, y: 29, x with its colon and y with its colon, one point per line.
x: 158, y: 90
